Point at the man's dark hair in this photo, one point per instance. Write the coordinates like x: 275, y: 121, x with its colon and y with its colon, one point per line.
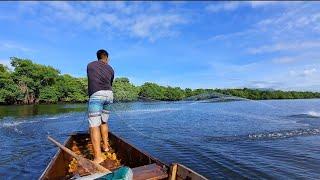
x: 102, y: 52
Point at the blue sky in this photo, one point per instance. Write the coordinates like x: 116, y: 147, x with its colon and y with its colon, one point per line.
x: 260, y: 44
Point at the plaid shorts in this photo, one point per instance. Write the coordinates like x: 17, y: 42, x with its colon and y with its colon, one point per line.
x: 98, y: 107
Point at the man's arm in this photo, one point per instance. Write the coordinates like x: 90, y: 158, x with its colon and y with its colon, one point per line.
x: 112, y: 79
x: 88, y: 70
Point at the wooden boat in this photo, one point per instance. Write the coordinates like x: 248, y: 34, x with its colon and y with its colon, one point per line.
x: 143, y: 165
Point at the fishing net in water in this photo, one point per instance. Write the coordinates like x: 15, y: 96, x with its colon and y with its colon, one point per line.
x: 218, y: 115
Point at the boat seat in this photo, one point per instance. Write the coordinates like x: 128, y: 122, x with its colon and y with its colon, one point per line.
x: 151, y: 171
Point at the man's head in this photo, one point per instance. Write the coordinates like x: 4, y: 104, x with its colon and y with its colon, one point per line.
x: 102, y: 55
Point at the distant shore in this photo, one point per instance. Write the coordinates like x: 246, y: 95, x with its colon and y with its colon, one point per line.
x: 155, y: 101
x: 31, y: 83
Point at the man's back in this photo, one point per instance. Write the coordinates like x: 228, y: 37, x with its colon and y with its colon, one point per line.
x: 100, y: 77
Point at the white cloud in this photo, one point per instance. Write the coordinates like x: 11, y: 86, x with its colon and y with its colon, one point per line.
x: 292, y: 46
x: 6, y: 63
x: 149, y: 26
x: 233, y: 5
x: 303, y: 56
x: 290, y: 35
x: 308, y: 72
x: 263, y: 84
x: 8, y: 45
x: 262, y: 3
x: 285, y: 60
x: 289, y: 24
x: 305, y: 78
x: 303, y: 73
x: 227, y: 6
x: 146, y: 21
x: 295, y: 20
x: 230, y: 35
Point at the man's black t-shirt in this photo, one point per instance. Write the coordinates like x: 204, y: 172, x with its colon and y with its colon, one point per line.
x: 100, y: 77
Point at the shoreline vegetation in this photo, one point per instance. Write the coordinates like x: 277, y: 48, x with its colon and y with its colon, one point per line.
x: 31, y: 83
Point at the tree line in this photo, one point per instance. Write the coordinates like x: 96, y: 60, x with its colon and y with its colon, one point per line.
x: 31, y: 83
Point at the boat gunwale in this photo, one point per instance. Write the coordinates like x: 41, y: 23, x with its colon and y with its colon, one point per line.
x: 190, y: 170
x: 54, y: 158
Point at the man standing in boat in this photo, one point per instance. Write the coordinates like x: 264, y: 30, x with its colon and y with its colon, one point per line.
x: 100, y: 77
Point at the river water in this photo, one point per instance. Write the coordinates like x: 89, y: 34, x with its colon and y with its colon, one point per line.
x: 274, y: 139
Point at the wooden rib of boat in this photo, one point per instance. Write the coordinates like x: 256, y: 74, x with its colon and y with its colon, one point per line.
x: 143, y: 165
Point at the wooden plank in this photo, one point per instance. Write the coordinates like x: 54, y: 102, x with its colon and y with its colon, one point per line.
x: 173, y: 171
x: 151, y: 171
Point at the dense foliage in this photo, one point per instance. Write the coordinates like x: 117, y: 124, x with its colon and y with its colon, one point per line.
x: 124, y: 91
x: 268, y: 94
x: 30, y: 83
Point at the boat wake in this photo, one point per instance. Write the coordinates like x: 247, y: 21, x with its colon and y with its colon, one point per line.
x: 52, y: 117
x: 310, y: 114
x: 268, y: 135
x: 15, y: 123
x: 314, y: 114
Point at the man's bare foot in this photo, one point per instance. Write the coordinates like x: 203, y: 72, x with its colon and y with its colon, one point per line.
x: 98, y: 160
x: 106, y: 147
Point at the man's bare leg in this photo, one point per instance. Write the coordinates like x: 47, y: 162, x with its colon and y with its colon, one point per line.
x: 96, y: 140
x: 104, y: 133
